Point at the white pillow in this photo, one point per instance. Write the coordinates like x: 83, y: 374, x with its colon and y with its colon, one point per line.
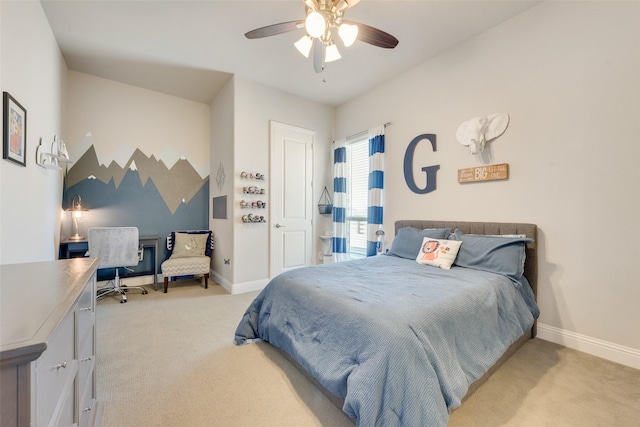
x: 438, y: 253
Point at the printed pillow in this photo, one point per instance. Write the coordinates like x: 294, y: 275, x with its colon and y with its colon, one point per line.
x: 438, y: 253
x: 189, y: 244
x: 171, y: 238
x: 407, y: 242
x: 497, y: 254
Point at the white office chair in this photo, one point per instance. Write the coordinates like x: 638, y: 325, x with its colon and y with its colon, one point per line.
x: 117, y: 247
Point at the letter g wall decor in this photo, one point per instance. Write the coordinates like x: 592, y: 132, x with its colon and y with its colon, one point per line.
x: 429, y: 170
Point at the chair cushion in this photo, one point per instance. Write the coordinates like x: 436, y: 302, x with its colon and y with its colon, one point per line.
x: 184, y: 266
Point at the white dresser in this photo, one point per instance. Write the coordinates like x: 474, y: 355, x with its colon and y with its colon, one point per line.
x: 47, y: 343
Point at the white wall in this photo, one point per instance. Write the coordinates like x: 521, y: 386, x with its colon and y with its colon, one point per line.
x: 33, y: 72
x: 122, y: 118
x: 568, y: 75
x: 222, y: 153
x: 255, y: 106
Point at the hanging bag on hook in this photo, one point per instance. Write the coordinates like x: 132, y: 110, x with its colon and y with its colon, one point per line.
x: 325, y: 206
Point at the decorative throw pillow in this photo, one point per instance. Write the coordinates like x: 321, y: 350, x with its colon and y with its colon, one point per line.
x: 406, y: 244
x: 189, y: 245
x: 438, y: 253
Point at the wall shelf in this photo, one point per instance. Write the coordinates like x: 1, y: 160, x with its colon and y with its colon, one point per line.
x: 252, y: 205
x: 253, y: 219
x: 56, y: 156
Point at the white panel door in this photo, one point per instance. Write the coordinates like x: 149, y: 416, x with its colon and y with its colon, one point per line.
x: 291, y: 192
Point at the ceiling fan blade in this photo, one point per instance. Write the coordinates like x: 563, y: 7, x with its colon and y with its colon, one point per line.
x: 319, y: 50
x: 374, y: 36
x: 275, y: 29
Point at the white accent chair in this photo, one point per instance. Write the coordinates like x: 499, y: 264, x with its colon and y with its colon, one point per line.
x: 190, y: 255
x: 117, y: 247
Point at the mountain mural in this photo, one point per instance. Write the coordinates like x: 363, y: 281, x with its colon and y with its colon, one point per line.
x: 176, y: 186
x: 135, y: 205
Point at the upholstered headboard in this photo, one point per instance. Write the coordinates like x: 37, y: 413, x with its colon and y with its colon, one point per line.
x: 530, y: 230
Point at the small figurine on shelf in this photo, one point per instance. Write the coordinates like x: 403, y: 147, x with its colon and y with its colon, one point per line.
x: 250, y: 190
x: 251, y: 175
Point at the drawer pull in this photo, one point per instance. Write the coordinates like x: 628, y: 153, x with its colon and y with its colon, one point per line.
x: 85, y: 309
x: 86, y: 359
x: 61, y: 365
x: 86, y: 409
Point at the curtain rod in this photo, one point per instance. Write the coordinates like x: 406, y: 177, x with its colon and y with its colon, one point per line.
x: 362, y: 133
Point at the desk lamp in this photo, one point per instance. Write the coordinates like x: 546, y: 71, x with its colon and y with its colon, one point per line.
x: 78, y: 213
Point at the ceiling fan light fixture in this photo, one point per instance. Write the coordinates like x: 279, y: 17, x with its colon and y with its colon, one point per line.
x: 348, y: 33
x: 342, y: 5
x: 332, y: 53
x: 311, y: 4
x: 322, y: 18
x: 315, y: 24
x: 304, y: 45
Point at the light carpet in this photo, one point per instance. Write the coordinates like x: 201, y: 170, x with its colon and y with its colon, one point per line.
x: 169, y: 360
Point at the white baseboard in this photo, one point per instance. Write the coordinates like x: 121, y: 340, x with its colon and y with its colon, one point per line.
x: 232, y: 288
x: 256, y: 285
x: 136, y: 281
x: 239, y: 288
x: 616, y: 353
x: 222, y: 281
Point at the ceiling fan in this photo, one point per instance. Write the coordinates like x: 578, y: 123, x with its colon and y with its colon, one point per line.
x: 322, y: 18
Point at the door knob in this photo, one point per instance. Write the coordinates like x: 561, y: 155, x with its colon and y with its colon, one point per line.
x: 279, y: 226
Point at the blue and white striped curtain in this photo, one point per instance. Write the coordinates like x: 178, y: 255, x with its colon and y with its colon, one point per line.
x: 340, y: 201
x: 376, y: 187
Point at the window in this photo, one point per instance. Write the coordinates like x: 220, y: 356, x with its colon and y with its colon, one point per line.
x: 357, y: 173
x: 358, y: 185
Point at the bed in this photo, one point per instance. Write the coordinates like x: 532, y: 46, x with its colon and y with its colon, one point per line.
x: 395, y: 342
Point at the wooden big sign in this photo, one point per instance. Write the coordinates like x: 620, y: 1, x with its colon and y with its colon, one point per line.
x: 484, y: 173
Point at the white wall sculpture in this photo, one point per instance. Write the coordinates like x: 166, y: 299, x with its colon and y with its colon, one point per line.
x: 476, y: 132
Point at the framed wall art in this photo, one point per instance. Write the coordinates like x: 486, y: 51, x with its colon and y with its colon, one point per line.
x: 14, y: 138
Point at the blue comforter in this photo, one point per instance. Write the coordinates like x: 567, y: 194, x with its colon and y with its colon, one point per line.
x: 399, y: 341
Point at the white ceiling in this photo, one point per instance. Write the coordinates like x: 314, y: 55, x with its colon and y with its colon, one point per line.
x: 190, y: 48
